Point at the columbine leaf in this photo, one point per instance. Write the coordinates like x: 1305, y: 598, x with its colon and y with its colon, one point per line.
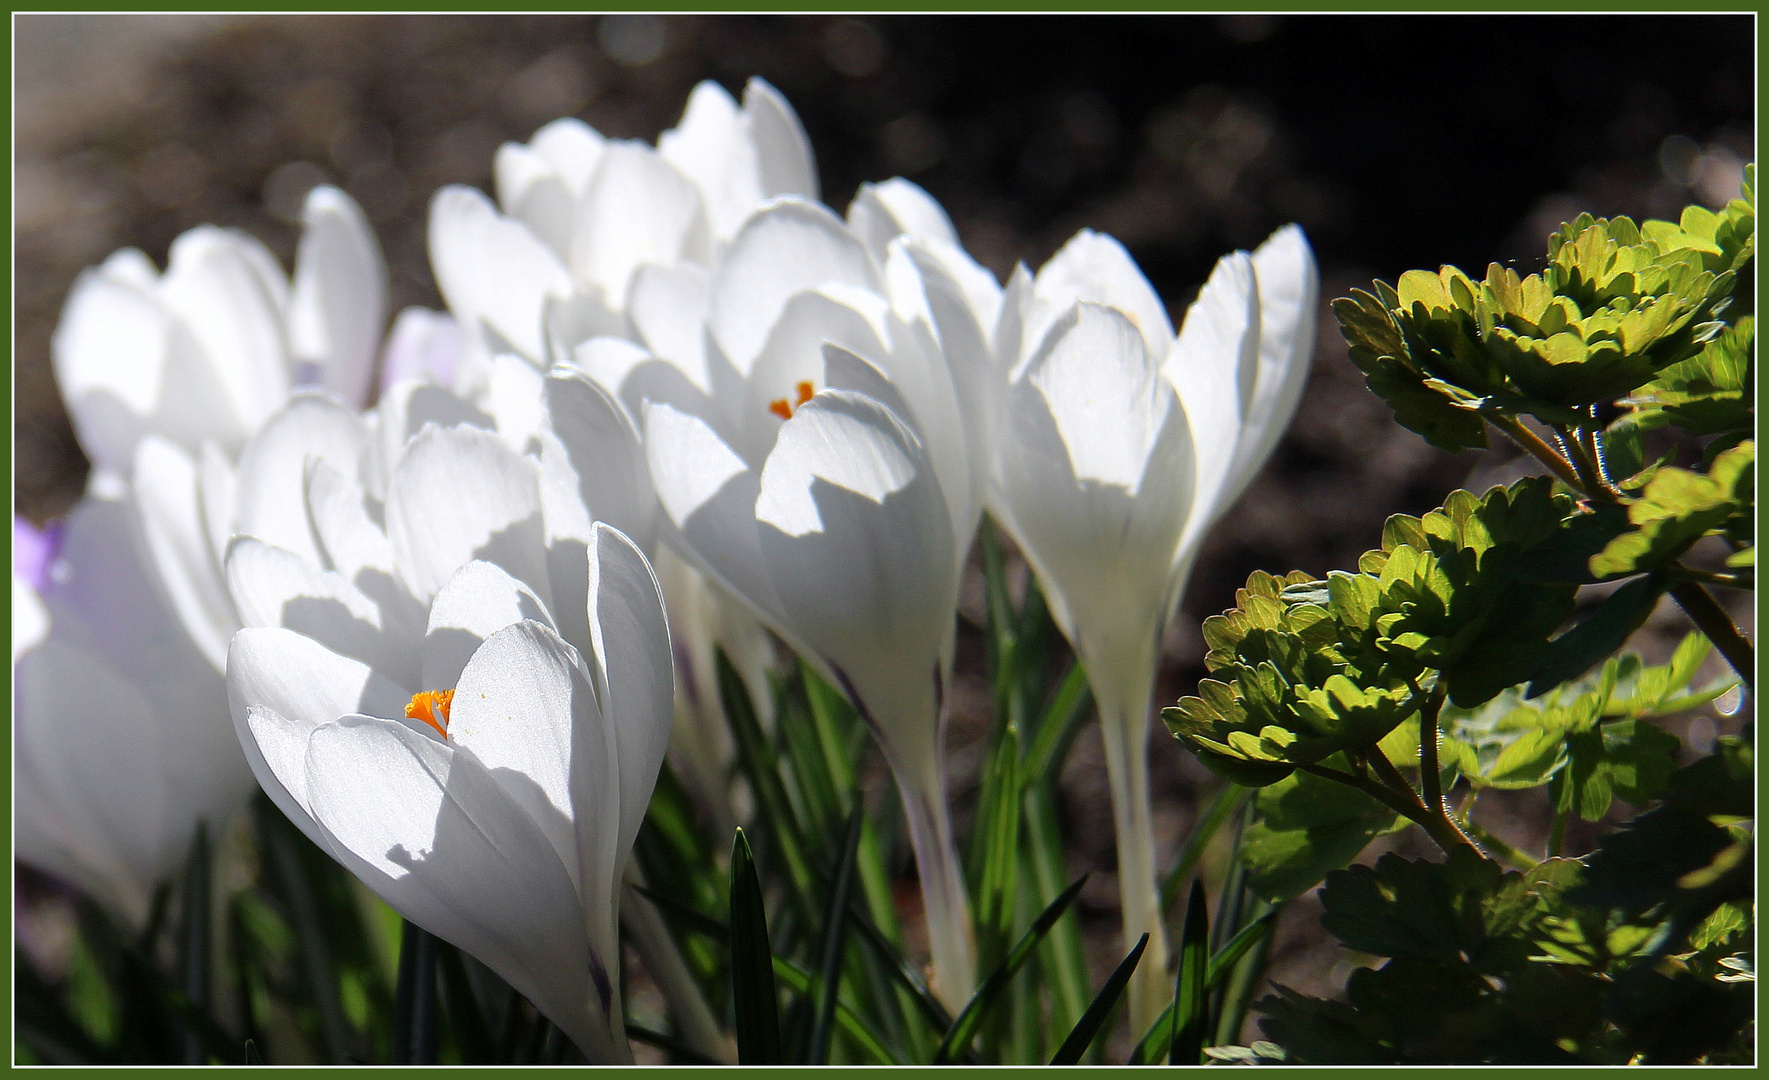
x: 1678, y: 508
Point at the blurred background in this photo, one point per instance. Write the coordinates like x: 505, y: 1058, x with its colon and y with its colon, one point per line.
x: 1397, y: 142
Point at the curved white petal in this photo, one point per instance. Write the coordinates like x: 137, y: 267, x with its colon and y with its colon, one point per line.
x: 782, y: 150
x: 491, y: 270
x: 784, y: 249
x: 630, y: 642
x: 711, y: 146
x: 668, y: 306
x: 638, y: 209
x: 272, y: 476
x: 1213, y: 366
x: 882, y: 212
x: 1095, y: 268
x: 572, y: 149
x: 1289, y: 292
x: 603, y: 449
x: 225, y: 288
x: 859, y: 547
x: 1104, y: 394
x: 110, y: 352
x: 460, y: 494
x: 422, y: 344
x: 273, y: 587
x: 280, y: 686
x: 478, y: 601
x: 339, y: 301
x: 530, y: 191
x: 517, y: 403
x: 165, y: 498
x: 432, y: 833
x: 791, y: 359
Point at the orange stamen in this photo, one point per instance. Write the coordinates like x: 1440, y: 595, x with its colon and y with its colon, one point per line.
x: 784, y: 409
x: 431, y: 706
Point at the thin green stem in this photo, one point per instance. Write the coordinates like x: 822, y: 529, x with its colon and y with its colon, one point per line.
x: 1436, y: 826
x: 1582, y: 463
x: 196, y: 945
x: 1711, y: 618
x: 1430, y: 781
x: 1533, y: 445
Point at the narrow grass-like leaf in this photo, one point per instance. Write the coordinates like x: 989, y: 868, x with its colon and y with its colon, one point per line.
x: 193, y: 961
x: 466, y: 1020
x: 762, y: 768
x: 296, y: 890
x: 800, y: 981
x: 1095, y: 1017
x: 414, y: 1009
x: 753, y: 996
x: 1189, y: 1004
x: 995, y: 839
x: 835, y: 940
x: 1228, y: 800
x: 1056, y: 729
x: 1062, y: 961
x: 1155, y: 1042
x: 685, y: 917
x: 253, y: 1057
x: 959, y: 1036
x: 44, y: 1022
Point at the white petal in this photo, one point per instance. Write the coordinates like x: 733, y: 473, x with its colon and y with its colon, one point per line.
x: 30, y: 619
x: 428, y: 829
x: 785, y: 249
x: 582, y: 317
x: 491, y: 270
x: 339, y: 302
x: 1104, y: 393
x: 602, y: 446
x: 517, y: 403
x: 170, y: 519
x: 783, y: 151
x: 280, y: 686
x: 638, y: 209
x: 110, y: 351
x: 422, y: 344
x: 225, y: 289
x: 708, y: 496
x: 88, y: 748
x: 631, y: 646
x: 860, y: 550
x: 668, y: 306
x: 1289, y: 291
x: 405, y: 409
x: 573, y: 149
x: 218, y: 494
x: 460, y: 494
x: 273, y: 587
x: 882, y: 212
x: 852, y: 319
x: 1095, y: 268
x: 531, y: 192
x: 273, y: 469
x: 963, y: 326
x: 477, y: 602
x: 1213, y: 367
x: 711, y: 146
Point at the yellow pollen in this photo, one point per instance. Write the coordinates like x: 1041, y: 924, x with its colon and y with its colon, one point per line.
x: 784, y: 409
x: 431, y: 706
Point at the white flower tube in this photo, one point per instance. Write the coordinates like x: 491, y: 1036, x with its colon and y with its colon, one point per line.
x: 1113, y: 447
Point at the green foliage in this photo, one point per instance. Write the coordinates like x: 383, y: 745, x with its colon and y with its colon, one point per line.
x: 1616, y: 304
x: 1307, y: 826
x: 1678, y: 507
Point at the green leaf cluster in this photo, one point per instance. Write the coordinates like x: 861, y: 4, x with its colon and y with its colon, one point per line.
x: 1303, y: 669
x: 1616, y: 304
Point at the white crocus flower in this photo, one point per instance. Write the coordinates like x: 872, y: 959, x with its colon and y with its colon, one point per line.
x: 494, y: 798
x: 207, y: 351
x: 1113, y: 447
x: 120, y: 737
x: 804, y: 439
x: 578, y: 214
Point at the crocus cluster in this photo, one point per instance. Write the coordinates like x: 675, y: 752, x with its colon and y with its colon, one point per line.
x: 421, y: 610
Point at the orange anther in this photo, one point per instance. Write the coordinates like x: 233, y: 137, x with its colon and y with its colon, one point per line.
x: 431, y: 706
x: 784, y: 409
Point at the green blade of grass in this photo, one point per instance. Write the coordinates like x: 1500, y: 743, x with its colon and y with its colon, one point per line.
x: 761, y: 767
x: 800, y: 981
x: 194, y: 954
x: 958, y: 1037
x: 1154, y: 1044
x: 753, y: 996
x: 683, y: 1054
x: 414, y: 1009
x: 1189, y: 999
x: 296, y: 889
x: 1228, y: 800
x: 1056, y: 729
x: 1101, y: 1007
x: 995, y: 842
x: 835, y: 942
